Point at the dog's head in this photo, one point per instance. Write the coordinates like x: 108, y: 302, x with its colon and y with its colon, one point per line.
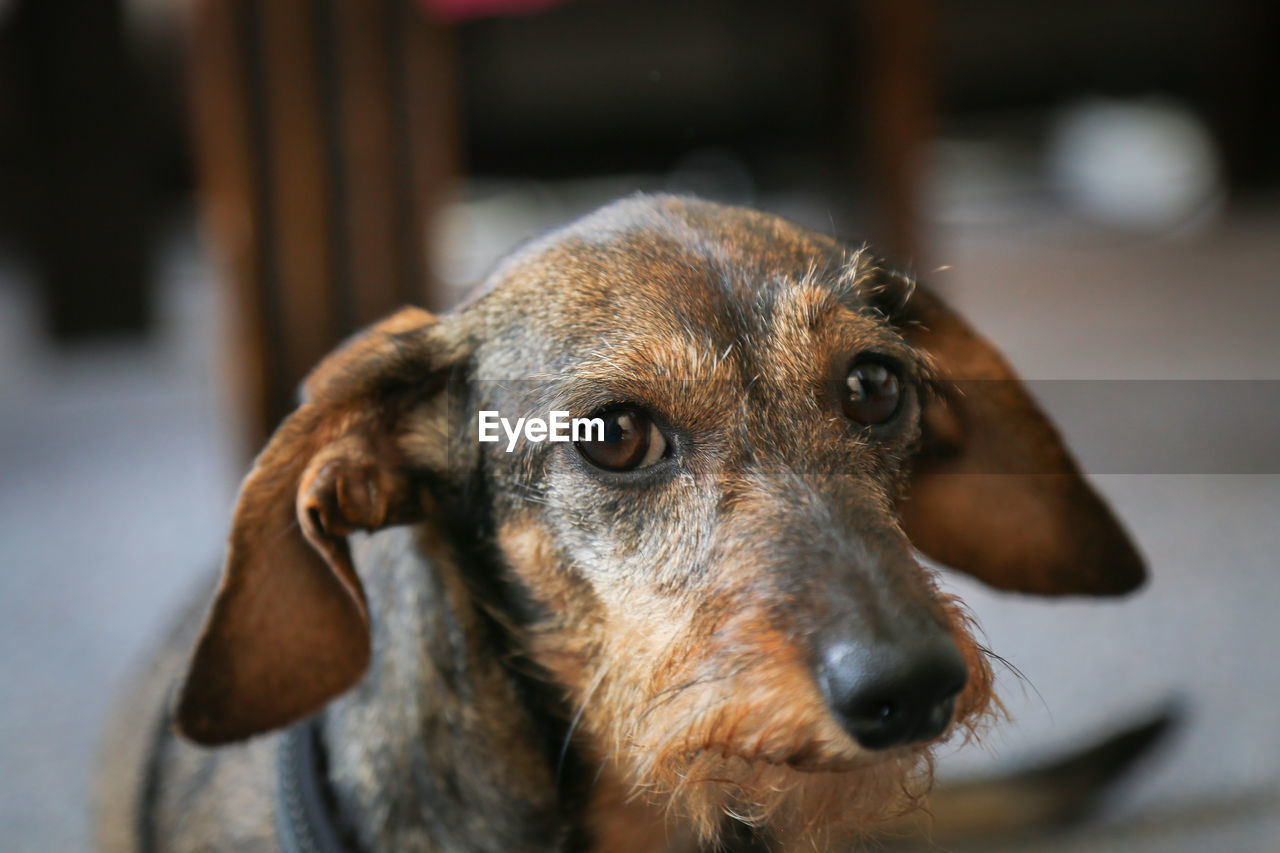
x: 720, y: 576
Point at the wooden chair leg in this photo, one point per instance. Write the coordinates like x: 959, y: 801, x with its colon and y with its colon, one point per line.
x: 900, y: 83
x: 325, y: 134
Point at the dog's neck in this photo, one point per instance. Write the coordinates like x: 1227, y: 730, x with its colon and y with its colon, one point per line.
x: 435, y: 749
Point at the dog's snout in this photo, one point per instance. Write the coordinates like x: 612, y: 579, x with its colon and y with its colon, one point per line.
x: 889, y: 693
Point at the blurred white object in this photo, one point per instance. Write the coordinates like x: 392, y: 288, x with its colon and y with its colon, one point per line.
x: 1146, y: 165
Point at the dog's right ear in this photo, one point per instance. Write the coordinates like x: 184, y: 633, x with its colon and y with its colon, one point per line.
x: 289, y: 629
x: 994, y: 491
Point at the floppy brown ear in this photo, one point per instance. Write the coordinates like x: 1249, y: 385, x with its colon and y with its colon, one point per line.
x: 994, y: 492
x: 288, y: 629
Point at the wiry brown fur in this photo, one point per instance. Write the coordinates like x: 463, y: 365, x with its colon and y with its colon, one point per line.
x: 727, y: 726
x: 559, y: 656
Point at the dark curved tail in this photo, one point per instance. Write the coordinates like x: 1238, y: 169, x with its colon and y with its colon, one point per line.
x: 1053, y: 794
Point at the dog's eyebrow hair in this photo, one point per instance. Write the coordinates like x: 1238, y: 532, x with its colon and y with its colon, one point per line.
x: 583, y: 394
x: 858, y: 271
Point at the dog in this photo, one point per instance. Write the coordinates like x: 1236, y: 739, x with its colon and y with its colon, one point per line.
x: 700, y: 625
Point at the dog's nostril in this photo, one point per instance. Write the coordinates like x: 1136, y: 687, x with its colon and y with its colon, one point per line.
x: 890, y: 694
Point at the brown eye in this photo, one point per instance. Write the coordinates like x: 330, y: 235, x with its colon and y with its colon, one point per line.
x: 631, y: 441
x: 872, y: 392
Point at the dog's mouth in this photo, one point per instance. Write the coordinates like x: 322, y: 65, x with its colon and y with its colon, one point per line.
x: 833, y: 765
x: 814, y: 763
x: 813, y: 758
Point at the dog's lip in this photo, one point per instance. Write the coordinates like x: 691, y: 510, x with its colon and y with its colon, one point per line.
x: 807, y: 759
x: 807, y: 762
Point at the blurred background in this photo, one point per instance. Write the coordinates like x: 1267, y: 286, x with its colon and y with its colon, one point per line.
x: 198, y: 198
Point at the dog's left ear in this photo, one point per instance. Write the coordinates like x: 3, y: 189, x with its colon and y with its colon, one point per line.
x: 994, y: 492
x: 289, y: 628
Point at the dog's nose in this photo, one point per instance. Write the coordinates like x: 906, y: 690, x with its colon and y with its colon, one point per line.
x: 892, y: 693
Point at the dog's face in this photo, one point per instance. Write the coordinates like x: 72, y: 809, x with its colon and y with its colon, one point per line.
x: 722, y: 581
x: 723, y: 584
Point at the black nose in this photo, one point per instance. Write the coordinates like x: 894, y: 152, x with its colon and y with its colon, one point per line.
x: 893, y: 693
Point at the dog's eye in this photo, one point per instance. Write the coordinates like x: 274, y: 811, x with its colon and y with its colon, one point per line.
x: 872, y: 392
x: 631, y: 441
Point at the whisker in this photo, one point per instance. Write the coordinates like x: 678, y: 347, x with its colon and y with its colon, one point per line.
x: 577, y: 718
x: 1017, y: 673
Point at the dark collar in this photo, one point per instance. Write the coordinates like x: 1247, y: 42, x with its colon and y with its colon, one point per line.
x: 304, y: 815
